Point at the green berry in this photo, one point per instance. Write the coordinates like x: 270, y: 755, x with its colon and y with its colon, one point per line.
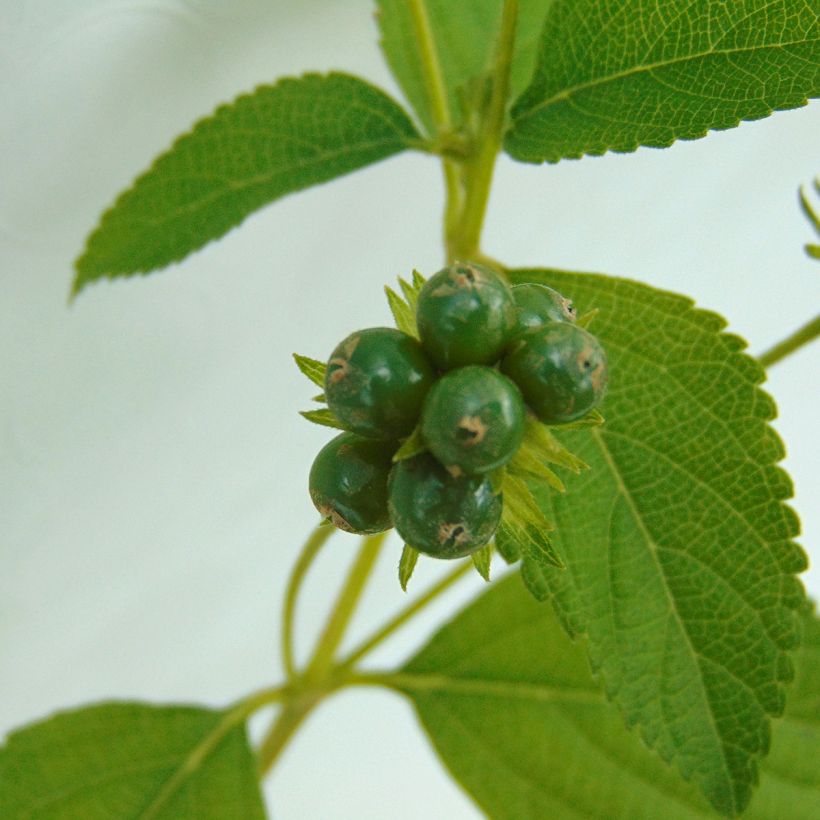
x: 536, y: 305
x: 473, y: 419
x: 440, y: 514
x: 465, y: 315
x: 376, y: 382
x: 348, y: 483
x: 561, y: 370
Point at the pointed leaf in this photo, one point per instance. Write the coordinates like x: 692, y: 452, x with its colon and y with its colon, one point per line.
x: 274, y: 141
x: 411, y: 446
x: 130, y: 760
x: 678, y: 546
x: 407, y: 563
x: 516, y: 717
x: 312, y: 368
x: 322, y: 417
x: 612, y: 76
x: 482, y: 560
x: 402, y: 314
x: 506, y: 544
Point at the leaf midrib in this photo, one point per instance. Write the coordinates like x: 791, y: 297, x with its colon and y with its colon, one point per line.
x: 566, y: 93
x: 650, y: 542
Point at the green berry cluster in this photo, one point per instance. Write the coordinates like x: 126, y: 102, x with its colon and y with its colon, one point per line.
x: 487, y: 354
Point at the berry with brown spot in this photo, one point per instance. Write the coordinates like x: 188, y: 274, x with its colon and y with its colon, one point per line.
x: 473, y: 419
x: 561, y: 370
x: 439, y: 514
x: 348, y: 483
x: 376, y: 382
x: 535, y: 305
x: 465, y: 315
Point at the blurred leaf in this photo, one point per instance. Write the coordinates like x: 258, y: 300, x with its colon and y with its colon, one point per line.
x: 273, y: 141
x: 464, y: 35
x: 130, y: 760
x: 482, y: 560
x: 519, y: 722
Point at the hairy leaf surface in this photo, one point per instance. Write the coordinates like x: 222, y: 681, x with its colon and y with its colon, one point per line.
x: 129, y: 760
x: 517, y: 718
x: 612, y: 76
x: 680, y: 564
x: 271, y: 142
x: 464, y: 35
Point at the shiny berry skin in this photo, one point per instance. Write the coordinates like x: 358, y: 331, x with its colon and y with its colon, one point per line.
x: 439, y: 514
x: 473, y: 419
x: 465, y: 315
x: 348, y: 483
x: 536, y: 305
x: 376, y: 382
x: 561, y: 370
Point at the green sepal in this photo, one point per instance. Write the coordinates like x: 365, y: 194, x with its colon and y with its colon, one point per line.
x: 526, y: 464
x: 418, y: 280
x: 402, y: 313
x: 312, y: 368
x: 591, y: 419
x: 586, y: 320
x: 506, y: 545
x: 482, y: 559
x: 323, y: 417
x: 411, y: 446
x: 542, y: 443
x: 320, y: 398
x: 407, y: 563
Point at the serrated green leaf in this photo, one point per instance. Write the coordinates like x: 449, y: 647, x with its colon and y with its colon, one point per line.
x: 129, y: 760
x: 404, y: 317
x: 273, y: 141
x: 612, y: 76
x: 464, y: 35
x: 418, y: 280
x: 411, y: 446
x: 520, y: 507
x: 482, y: 561
x: 322, y: 417
x: 678, y: 546
x: 407, y: 563
x: 312, y: 368
x: 518, y: 720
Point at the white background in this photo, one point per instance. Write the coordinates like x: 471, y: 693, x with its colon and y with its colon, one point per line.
x: 152, y: 465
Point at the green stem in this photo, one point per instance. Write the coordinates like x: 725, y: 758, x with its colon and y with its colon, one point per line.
x: 479, y: 172
x: 236, y: 715
x: 439, y: 106
x: 318, y: 681
x: 405, y: 615
x: 343, y: 610
x: 303, y: 563
x: 288, y: 721
x: 802, y: 336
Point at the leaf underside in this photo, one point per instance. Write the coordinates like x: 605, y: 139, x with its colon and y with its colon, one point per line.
x: 680, y: 564
x: 118, y: 759
x: 612, y: 76
x: 464, y: 35
x: 514, y: 714
x: 273, y: 141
